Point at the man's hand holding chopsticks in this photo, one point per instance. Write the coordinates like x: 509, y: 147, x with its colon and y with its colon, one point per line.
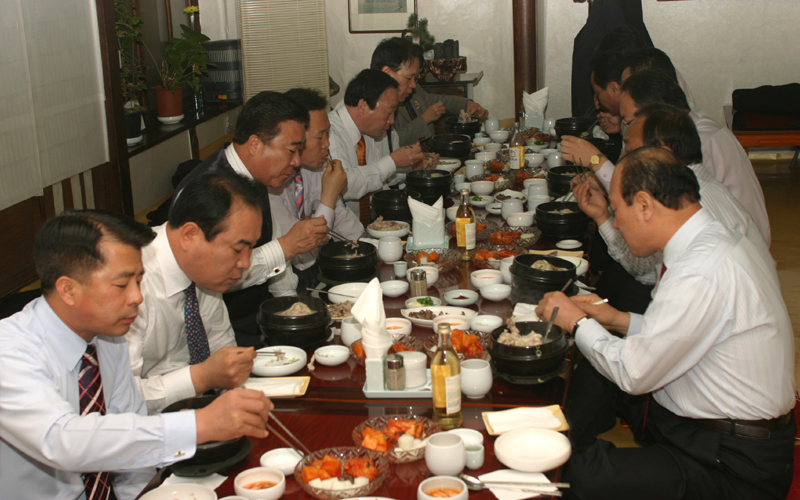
x: 242, y: 412
x: 227, y: 368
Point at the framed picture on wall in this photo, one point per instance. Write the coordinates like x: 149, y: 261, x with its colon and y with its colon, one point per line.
x: 379, y: 16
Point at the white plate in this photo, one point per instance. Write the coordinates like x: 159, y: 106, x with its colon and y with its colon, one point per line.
x: 493, y: 210
x: 348, y: 291
x: 169, y: 120
x: 484, y: 200
x: 449, y: 164
x: 428, y: 323
x: 381, y: 234
x: 180, y: 491
x: 513, y: 194
x: 269, y: 366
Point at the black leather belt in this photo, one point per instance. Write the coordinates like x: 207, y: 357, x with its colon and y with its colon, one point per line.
x: 754, y: 429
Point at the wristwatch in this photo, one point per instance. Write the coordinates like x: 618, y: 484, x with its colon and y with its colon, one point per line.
x: 595, y: 160
x: 579, y: 323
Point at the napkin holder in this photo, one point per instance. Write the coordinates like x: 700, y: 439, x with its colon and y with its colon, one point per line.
x: 534, y: 121
x: 425, y: 236
x: 374, y: 368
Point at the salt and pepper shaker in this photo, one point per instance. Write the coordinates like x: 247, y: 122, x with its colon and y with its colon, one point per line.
x: 418, y: 282
x: 394, y: 373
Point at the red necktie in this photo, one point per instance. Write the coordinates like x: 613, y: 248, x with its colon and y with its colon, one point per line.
x: 299, y: 196
x: 96, y: 484
x: 663, y: 270
x: 363, y: 203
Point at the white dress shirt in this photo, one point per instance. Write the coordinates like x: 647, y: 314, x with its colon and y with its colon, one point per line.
x: 716, y: 342
x: 159, y: 351
x: 45, y: 443
x: 268, y: 260
x: 725, y: 159
x: 380, y: 167
x: 714, y: 197
x: 283, y: 205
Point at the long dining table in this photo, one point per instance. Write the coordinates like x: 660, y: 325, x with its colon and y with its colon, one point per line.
x: 334, y: 402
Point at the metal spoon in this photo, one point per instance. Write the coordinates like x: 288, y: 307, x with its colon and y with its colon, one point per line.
x: 550, y: 324
x: 475, y: 484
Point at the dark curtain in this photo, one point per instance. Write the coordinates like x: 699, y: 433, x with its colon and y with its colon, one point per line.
x: 604, y: 16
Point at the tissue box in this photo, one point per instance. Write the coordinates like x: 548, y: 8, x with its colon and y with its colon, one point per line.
x: 428, y: 236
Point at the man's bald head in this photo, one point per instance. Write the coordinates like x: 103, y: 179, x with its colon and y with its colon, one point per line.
x: 657, y: 172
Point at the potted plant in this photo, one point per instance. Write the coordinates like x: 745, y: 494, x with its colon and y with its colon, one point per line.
x: 130, y: 29
x: 185, y: 59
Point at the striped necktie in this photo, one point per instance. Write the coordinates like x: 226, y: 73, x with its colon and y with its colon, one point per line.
x: 363, y: 203
x: 298, y: 196
x: 195, y: 332
x: 96, y: 484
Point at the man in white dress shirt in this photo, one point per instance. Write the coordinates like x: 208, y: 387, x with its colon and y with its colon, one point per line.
x: 270, y: 133
x: 206, y: 244
x: 366, y: 115
x: 57, y: 439
x: 714, y: 348
x: 314, y: 189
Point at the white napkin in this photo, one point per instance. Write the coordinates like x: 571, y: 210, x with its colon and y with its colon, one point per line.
x: 424, y: 213
x: 516, y: 477
x: 524, y: 312
x: 522, y: 418
x: 368, y: 310
x: 535, y: 103
x: 428, y: 223
x: 211, y: 482
x: 273, y: 387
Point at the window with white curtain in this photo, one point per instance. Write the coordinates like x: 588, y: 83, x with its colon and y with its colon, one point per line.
x: 52, y: 110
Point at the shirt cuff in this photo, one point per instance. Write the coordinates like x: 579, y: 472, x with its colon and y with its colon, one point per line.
x: 588, y: 334
x: 606, y: 229
x: 636, y: 324
x: 273, y: 258
x: 387, y: 167
x: 180, y: 436
x: 328, y: 213
x: 604, y: 173
x: 179, y: 385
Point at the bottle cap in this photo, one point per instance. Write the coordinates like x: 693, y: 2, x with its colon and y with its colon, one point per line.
x: 465, y: 191
x: 444, y: 328
x: 394, y: 361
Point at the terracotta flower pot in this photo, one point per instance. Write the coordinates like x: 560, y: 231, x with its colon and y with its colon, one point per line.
x: 169, y: 105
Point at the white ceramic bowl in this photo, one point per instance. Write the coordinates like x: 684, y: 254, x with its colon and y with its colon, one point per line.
x: 351, y: 330
x: 485, y: 277
x: 451, y: 212
x: 469, y: 436
x: 449, y: 164
x: 456, y: 322
x: 431, y: 274
x: 531, y: 144
x: 476, y: 379
x: 485, y: 156
x: 481, y: 202
x: 568, y: 244
x: 495, y: 208
x: 348, y: 291
x: 444, y: 454
x: 394, y: 288
x: 436, y: 482
x: 260, y: 474
x: 493, y: 147
x: 520, y: 219
x: 534, y: 159
x: 397, y: 232
x: 496, y: 292
x: 410, y: 302
x: 499, y: 135
x: 485, y: 323
x: 480, y: 141
x: 180, y: 490
x: 398, y: 327
x: 451, y: 297
x: 482, y: 188
x: 459, y: 186
x: 546, y: 151
x: 332, y: 355
x: 532, y: 450
x: 283, y: 459
x: 269, y: 366
x: 581, y: 265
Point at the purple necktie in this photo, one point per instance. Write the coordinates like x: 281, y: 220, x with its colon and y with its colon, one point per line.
x: 96, y: 484
x: 195, y: 332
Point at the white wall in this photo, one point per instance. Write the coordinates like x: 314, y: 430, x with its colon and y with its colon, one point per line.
x: 483, y: 30
x: 718, y: 46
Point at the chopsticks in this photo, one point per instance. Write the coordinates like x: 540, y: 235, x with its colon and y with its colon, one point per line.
x: 342, y: 238
x: 269, y: 353
x: 331, y: 293
x: 288, y: 432
x: 567, y: 285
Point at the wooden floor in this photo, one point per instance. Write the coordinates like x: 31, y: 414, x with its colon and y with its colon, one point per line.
x: 783, y: 207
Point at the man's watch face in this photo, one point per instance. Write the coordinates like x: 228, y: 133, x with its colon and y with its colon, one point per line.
x: 595, y: 159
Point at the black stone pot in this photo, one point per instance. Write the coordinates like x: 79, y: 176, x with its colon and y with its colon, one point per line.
x: 430, y: 184
x: 469, y: 129
x: 529, y: 361
x: 452, y: 145
x: 304, y: 332
x: 572, y: 126
x: 335, y: 268
x: 569, y: 225
x: 392, y: 204
x: 559, y: 178
x: 529, y: 285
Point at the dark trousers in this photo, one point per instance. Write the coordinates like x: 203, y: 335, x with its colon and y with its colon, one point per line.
x: 622, y: 290
x: 679, y: 459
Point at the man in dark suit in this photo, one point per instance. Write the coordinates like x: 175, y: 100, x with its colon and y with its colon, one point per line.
x: 270, y: 133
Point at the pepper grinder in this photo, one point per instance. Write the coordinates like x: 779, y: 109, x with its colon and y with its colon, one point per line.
x: 418, y: 282
x: 394, y: 373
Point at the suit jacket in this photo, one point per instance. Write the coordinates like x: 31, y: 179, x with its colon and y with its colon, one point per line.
x: 410, y: 126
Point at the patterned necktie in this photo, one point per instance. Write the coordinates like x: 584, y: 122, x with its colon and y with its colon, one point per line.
x: 298, y: 196
x: 96, y: 484
x: 363, y: 203
x: 195, y: 332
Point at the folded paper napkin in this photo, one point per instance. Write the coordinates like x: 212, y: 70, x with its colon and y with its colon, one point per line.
x: 536, y: 103
x: 368, y: 310
x: 211, y: 482
x: 515, y: 477
x: 522, y: 418
x: 524, y: 312
x: 275, y: 386
x: 426, y: 214
x: 428, y: 224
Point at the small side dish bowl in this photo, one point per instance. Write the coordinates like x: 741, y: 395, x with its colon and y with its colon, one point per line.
x: 520, y: 219
x: 485, y: 277
x: 398, y: 327
x: 414, y: 302
x: 439, y: 482
x: 494, y: 208
x: 331, y: 355
x: 486, y: 323
x: 532, y: 450
x: 462, y: 298
x: 345, y: 292
x: 394, y: 288
x: 496, y: 292
x: 283, y: 459
x: 581, y: 265
x: 482, y: 188
x: 456, y: 322
x: 499, y: 135
x: 480, y: 201
x: 244, y: 483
